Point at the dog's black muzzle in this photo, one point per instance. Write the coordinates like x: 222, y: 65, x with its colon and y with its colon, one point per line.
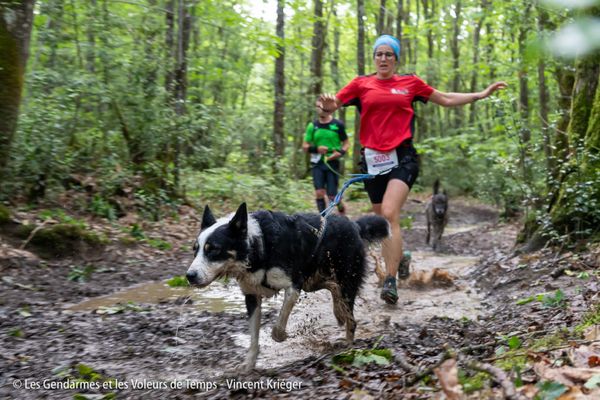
x: 192, y: 277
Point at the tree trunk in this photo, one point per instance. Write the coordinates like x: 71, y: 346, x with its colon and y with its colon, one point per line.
x: 90, y: 54
x: 455, y: 49
x: 360, y: 63
x: 279, y: 110
x: 476, y: 40
x: 381, y: 18
x: 180, y: 95
x: 406, y: 45
x: 16, y: 19
x: 565, y: 76
x: 318, y: 44
x: 169, y: 45
x: 543, y: 99
x: 335, y: 72
x: 415, y: 46
x: 399, y: 35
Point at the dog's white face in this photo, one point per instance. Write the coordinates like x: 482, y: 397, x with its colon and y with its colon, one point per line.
x: 221, y: 247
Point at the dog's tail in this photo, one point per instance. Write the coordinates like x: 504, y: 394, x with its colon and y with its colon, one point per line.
x: 436, y: 186
x: 373, y: 228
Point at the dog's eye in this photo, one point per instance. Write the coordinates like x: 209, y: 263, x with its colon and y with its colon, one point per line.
x: 211, y: 248
x: 195, y: 248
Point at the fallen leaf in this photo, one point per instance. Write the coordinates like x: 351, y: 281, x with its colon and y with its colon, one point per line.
x: 447, y: 374
x: 592, y: 333
x: 585, y: 356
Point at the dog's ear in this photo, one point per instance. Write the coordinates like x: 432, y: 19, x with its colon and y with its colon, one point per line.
x: 239, y: 222
x: 207, y: 219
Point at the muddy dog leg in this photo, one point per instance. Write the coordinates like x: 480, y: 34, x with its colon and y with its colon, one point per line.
x: 342, y: 310
x: 291, y: 296
x: 428, y: 228
x: 253, y: 303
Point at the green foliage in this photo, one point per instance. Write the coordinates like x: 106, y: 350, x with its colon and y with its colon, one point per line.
x: 361, y: 357
x: 576, y: 213
x: 137, y: 232
x: 4, y: 214
x: 591, y: 318
x: 158, y: 244
x: 549, y: 390
x: 550, y: 300
x: 268, y: 191
x: 406, y: 222
x: 81, y: 274
x: 514, y: 342
x: 102, y: 208
x: 61, y: 239
x: 358, y: 358
x: 557, y: 299
x: 471, y: 384
x: 178, y: 281
x: 60, y: 215
x: 16, y: 332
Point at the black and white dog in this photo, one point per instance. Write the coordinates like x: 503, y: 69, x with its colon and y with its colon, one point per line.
x: 437, y: 215
x: 269, y: 251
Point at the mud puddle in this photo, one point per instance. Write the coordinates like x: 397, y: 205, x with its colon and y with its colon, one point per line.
x: 312, y: 328
x: 216, y: 298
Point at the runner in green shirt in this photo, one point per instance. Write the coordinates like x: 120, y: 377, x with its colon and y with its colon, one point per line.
x: 326, y: 140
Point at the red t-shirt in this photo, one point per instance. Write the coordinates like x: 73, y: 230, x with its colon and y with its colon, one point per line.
x: 386, y: 107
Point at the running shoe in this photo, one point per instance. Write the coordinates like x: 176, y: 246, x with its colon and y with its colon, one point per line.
x: 389, y: 293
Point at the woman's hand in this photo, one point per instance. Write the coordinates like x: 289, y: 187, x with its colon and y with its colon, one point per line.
x: 329, y: 103
x: 493, y: 88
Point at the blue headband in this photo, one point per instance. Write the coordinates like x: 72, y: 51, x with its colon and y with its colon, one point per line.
x: 390, y: 41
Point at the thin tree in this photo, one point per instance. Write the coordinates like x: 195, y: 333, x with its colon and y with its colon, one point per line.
x: 381, y: 18
x: 16, y: 19
x: 476, y: 41
x: 318, y: 44
x: 455, y: 49
x: 279, y: 109
x: 360, y: 66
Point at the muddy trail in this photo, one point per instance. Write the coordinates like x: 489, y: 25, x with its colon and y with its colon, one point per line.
x: 105, y: 324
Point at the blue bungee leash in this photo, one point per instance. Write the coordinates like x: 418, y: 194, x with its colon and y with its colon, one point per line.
x: 338, y: 197
x: 325, y: 213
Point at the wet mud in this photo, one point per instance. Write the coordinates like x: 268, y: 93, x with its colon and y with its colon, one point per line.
x: 135, y: 337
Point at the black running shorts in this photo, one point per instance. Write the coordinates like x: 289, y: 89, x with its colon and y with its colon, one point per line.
x: 406, y: 171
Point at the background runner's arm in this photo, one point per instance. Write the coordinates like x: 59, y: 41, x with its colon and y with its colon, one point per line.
x: 337, y: 154
x: 307, y: 145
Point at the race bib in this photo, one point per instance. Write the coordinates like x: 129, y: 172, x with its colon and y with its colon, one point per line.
x: 315, y: 157
x: 379, y: 162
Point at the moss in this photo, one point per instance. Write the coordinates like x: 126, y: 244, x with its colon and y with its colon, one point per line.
x: 4, y: 214
x: 591, y: 318
x: 62, y: 239
x: 473, y: 383
x: 518, y: 360
x: 557, y: 339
